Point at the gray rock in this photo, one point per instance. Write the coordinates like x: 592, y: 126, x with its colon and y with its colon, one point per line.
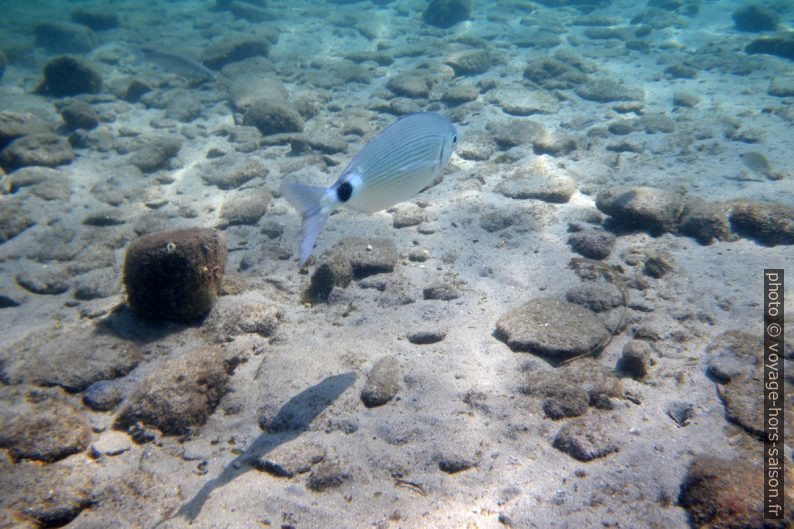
x: 408, y: 215
x: 427, y: 336
x: 136, y: 90
x: 476, y: 147
x: 593, y: 244
x: 522, y: 102
x: 634, y: 359
x: 452, y: 463
x: 70, y: 76
x: 243, y: 317
x: 459, y: 94
x: 682, y: 98
x: 335, y: 271
x: 597, y: 297
x: 755, y: 18
x: 470, y: 62
x: 73, y: 359
x: 654, y: 209
x: 288, y: 460
x: 40, y: 425
x: 64, y: 37
x: 586, y: 438
x: 382, y: 384
x: 780, y: 46
x: 410, y: 84
x: 606, y: 90
x: 515, y: 132
x: 235, y: 49
x: 769, y: 223
x: 79, y: 115
x: 49, y: 150
x: 14, y: 125
x: 327, y: 475
x: 175, y: 275
x: 43, y: 182
x: 110, y: 444
x: 552, y: 328
x: 97, y: 20
x: 554, y: 144
x: 564, y: 400
x: 782, y: 86
x: 249, y: 12
x: 447, y: 13
x: 540, y: 182
x: 499, y: 219
x: 445, y: 289
x: 733, y: 354
x: 103, y: 395
x: 245, y: 208
x: 369, y: 256
x: 180, y: 395
x: 14, y: 219
x: 154, y: 153
x: 659, y: 264
x: 100, y: 283
x: 706, y: 221
x: 272, y: 118
x: 680, y: 412
x: 232, y: 171
x: 552, y: 73
x: 43, y: 280
x: 249, y: 86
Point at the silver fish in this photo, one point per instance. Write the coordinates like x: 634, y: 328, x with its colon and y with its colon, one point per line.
x: 177, y: 64
x: 394, y: 166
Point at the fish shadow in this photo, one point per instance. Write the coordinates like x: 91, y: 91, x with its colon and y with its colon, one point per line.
x: 292, y: 419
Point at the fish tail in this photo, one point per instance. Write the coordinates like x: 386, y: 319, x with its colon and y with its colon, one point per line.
x: 308, y: 201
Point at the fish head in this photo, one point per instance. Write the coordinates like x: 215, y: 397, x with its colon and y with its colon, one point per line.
x: 449, y: 140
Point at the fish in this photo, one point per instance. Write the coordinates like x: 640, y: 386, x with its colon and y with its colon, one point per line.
x: 395, y: 165
x: 177, y: 64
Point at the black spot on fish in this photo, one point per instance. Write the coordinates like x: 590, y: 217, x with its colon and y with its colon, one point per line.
x: 454, y: 138
x: 344, y: 191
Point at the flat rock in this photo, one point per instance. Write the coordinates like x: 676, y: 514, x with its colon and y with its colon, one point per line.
x: 444, y: 289
x: 605, y: 90
x: 540, y: 181
x: 593, y: 244
x: 14, y: 219
x: 242, y: 317
x: 586, y: 438
x: 734, y: 353
x: 382, y: 383
x: 232, y: 171
x: 64, y: 37
x: 71, y: 358
x: 180, y: 395
x: 369, y: 256
x: 17, y: 124
x: 49, y: 150
x: 470, y: 62
x: 154, y: 153
x: 230, y: 50
x: 410, y: 84
x: 552, y: 73
x: 70, y: 76
x: 706, y: 221
x: 459, y: 94
x: 552, y: 328
x: 45, y: 281
x: 39, y: 425
x: 654, y: 209
x: 523, y: 102
x: 288, y: 460
x: 780, y: 46
x: 769, y: 223
x: 515, y: 132
x: 245, y: 208
x: 273, y: 118
x: 597, y: 297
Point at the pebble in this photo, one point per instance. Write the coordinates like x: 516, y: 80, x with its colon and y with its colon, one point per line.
x: 427, y: 336
x: 369, y: 256
x: 245, y: 208
x: 445, y: 289
x: 103, y: 395
x: 769, y: 223
x: 592, y: 243
x: 654, y: 209
x: 49, y: 150
x: 271, y: 117
x: 586, y: 438
x: 180, y: 395
x: 174, y: 275
x: 522, y: 102
x: 110, y: 443
x: 327, y: 475
x: 552, y: 328
x: 79, y: 115
x: 634, y: 359
x: 382, y: 383
x: 334, y: 271
x: 70, y: 76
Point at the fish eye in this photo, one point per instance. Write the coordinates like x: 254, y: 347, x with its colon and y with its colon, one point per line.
x: 454, y: 138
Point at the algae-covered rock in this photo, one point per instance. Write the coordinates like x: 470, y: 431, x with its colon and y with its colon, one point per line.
x: 175, y: 275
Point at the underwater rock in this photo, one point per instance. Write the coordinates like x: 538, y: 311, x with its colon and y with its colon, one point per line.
x: 562, y: 400
x: 155, y: 152
x: 593, y: 244
x: 369, y: 256
x: 181, y: 394
x: 514, y: 132
x: 243, y: 317
x: 682, y: 98
x: 680, y: 71
x: 49, y: 150
x: 494, y: 220
x: 96, y: 284
x: 445, y: 289
x: 553, y: 328
x: 70, y: 76
x: 780, y: 46
x: 407, y: 215
x: 427, y: 336
x: 706, y: 221
x: 768, y: 223
x: 43, y: 281
x: 411, y: 85
x: 470, y: 62
x: 335, y: 271
x: 232, y: 50
x: 382, y: 384
x: 552, y: 73
x: 327, y: 475
x: 39, y: 424
x: 135, y: 90
x: 273, y: 118
x: 79, y: 115
x: 733, y: 354
x: 554, y: 144
x: 540, y: 181
x: 781, y: 86
x: 453, y: 462
x: 658, y: 264
x: 447, y: 13
x: 232, y: 171
x: 586, y: 438
x: 523, y: 102
x: 14, y: 219
x: 96, y: 20
x: 71, y: 358
x: 175, y: 275
x: 654, y: 209
x: 248, y: 12
x: 287, y: 460
x: 245, y: 209
x: 597, y: 297
x: 103, y: 395
x: 755, y: 18
x: 634, y: 359
x: 459, y: 94
x: 14, y: 125
x: 476, y: 146
x: 720, y: 493
x: 64, y: 37
x: 606, y: 90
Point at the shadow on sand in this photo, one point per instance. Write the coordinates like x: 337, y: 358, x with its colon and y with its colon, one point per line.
x: 293, y: 418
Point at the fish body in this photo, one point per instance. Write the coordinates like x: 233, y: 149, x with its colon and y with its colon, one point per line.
x: 394, y: 166
x: 177, y: 64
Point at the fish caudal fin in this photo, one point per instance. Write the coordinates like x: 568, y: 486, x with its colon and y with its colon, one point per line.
x: 308, y: 201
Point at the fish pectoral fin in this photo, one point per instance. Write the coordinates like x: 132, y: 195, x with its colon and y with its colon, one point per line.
x: 308, y: 201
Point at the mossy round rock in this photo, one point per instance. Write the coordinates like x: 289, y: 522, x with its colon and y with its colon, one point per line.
x: 175, y: 275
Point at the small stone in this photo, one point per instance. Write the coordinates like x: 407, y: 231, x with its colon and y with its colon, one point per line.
x: 539, y: 180
x: 70, y: 76
x: 110, y: 444
x: 79, y: 115
x: 515, y: 132
x: 459, y: 94
x: 272, y: 118
x: 175, y: 275
x: 247, y: 317
x: 682, y: 98
x: 680, y: 412
x: 327, y: 475
x: 288, y: 460
x: 634, y: 359
x: 427, y: 336
x: 382, y: 382
x: 769, y: 223
x: 103, y: 395
x: 445, y: 289
x: 413, y: 85
x: 181, y: 394
x: 154, y: 153
x: 135, y: 90
x: 657, y: 210
x: 245, y: 209
x: 593, y: 244
x: 552, y: 328
x: 522, y: 102
x: 659, y: 264
x: 45, y: 149
x: 43, y: 281
x: 755, y: 18
x: 586, y: 438
x: 369, y: 256
x: 454, y: 463
x: 447, y: 13
x: 336, y: 271
x: 564, y: 400
x: 405, y: 216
